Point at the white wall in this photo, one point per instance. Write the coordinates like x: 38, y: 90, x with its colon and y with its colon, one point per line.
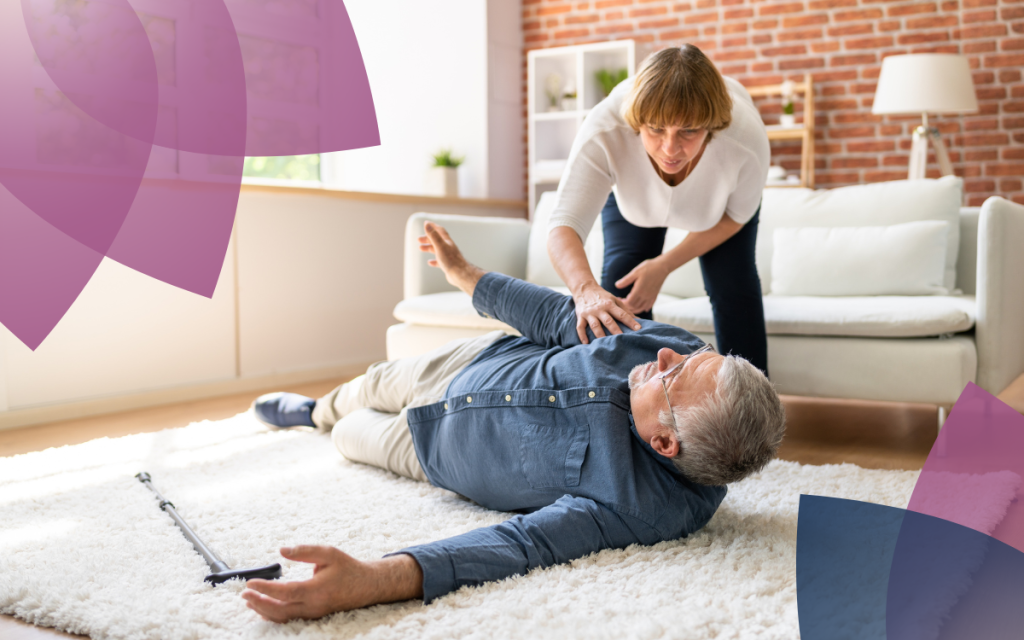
x: 318, y: 274
x: 319, y: 290
x: 126, y: 333
x: 505, y: 126
x: 438, y: 83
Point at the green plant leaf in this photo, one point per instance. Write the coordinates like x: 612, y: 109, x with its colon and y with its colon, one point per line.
x: 609, y: 79
x: 444, y: 158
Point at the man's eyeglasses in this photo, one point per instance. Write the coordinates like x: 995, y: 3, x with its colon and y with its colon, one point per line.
x: 706, y: 348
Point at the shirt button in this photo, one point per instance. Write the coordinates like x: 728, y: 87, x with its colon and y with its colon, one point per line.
x: 551, y: 398
x: 446, y: 405
x: 508, y: 398
x: 469, y: 399
x: 591, y: 394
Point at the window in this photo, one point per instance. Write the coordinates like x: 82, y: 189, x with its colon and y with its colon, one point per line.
x: 292, y: 168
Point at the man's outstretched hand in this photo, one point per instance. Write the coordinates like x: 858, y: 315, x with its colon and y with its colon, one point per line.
x: 447, y: 256
x: 339, y: 583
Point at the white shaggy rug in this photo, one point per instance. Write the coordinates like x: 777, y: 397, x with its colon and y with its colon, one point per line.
x: 84, y: 547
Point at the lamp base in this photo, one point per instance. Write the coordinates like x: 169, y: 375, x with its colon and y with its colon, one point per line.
x: 919, y: 153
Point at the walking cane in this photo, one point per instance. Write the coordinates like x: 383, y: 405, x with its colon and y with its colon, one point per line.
x: 221, y: 571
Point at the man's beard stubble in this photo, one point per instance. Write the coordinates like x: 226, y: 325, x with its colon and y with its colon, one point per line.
x: 640, y: 374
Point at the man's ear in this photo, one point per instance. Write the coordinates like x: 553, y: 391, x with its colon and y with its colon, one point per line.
x: 665, y: 444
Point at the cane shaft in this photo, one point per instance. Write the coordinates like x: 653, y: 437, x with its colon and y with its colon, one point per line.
x: 211, y: 558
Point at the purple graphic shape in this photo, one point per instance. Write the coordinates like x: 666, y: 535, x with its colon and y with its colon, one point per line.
x: 933, y: 572
x: 42, y: 271
x: 870, y: 572
x: 209, y: 88
x: 130, y: 132
x: 983, y: 437
x: 844, y: 549
x: 101, y: 57
x: 285, y: 85
x: 178, y: 231
x: 328, y: 105
x: 72, y: 171
x: 98, y: 54
x: 952, y: 582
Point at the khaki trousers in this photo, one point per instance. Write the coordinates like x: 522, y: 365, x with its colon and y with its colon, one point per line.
x: 367, y: 416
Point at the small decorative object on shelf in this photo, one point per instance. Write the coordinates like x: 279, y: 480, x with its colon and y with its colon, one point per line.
x: 788, y: 117
x: 804, y: 132
x: 553, y: 89
x: 569, y: 99
x: 443, y: 177
x: 777, y: 176
x: 609, y: 79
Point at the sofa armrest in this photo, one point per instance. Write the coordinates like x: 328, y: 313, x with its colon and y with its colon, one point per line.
x: 493, y: 244
x: 1000, y: 323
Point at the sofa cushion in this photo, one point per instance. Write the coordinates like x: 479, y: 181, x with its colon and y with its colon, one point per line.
x: 448, y: 309
x: 884, y: 203
x: 905, y: 259
x: 539, y: 269
x: 687, y: 281
x: 868, y: 316
x: 886, y: 369
x: 684, y: 282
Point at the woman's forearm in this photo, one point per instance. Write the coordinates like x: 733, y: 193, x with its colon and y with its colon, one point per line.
x: 596, y: 309
x: 697, y: 243
x: 565, y: 249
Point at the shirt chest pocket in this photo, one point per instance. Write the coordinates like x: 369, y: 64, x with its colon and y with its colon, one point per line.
x: 552, y: 454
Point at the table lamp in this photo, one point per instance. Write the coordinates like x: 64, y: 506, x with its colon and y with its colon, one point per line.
x: 925, y: 83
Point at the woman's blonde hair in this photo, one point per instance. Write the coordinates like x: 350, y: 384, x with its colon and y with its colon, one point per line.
x: 679, y: 86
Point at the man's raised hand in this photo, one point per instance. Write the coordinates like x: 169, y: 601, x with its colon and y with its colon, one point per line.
x: 448, y: 258
x: 339, y: 583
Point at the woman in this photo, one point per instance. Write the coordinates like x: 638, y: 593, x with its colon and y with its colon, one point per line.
x: 679, y: 146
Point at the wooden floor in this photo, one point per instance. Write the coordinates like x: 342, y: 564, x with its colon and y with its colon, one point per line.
x: 872, y: 435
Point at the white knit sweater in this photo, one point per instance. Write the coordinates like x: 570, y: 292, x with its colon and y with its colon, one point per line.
x: 608, y: 155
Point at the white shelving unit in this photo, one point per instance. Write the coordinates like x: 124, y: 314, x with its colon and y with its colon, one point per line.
x: 552, y: 131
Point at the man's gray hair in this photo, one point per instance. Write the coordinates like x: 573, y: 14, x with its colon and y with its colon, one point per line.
x: 732, y: 434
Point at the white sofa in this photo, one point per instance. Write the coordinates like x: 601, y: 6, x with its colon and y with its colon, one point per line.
x: 890, y: 348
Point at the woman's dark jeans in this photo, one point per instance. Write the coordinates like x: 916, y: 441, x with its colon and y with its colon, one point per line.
x: 730, y: 279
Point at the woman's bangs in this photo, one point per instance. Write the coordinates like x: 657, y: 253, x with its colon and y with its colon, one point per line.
x: 683, y: 112
x: 673, y: 102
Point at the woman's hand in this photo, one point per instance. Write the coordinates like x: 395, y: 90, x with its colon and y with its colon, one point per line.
x: 647, y: 279
x: 595, y: 307
x: 598, y: 309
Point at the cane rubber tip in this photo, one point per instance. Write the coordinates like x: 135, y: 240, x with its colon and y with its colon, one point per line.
x: 271, y: 572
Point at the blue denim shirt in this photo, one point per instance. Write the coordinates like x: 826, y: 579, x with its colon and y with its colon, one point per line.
x: 541, y: 424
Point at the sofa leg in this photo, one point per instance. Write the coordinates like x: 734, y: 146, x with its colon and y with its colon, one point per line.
x: 942, y: 412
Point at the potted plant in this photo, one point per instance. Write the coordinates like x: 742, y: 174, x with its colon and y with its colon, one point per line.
x: 569, y: 99
x: 608, y: 79
x: 443, y: 177
x: 788, y: 117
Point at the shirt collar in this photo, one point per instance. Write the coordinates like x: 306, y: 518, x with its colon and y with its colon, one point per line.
x: 660, y: 459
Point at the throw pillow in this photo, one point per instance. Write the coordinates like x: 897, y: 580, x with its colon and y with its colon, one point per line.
x: 900, y: 259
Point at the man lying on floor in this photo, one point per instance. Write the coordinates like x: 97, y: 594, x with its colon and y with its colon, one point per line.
x: 628, y: 439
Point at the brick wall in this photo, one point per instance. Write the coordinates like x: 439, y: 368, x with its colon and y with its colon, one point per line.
x: 841, y: 43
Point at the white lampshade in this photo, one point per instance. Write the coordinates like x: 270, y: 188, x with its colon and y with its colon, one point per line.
x: 925, y: 83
